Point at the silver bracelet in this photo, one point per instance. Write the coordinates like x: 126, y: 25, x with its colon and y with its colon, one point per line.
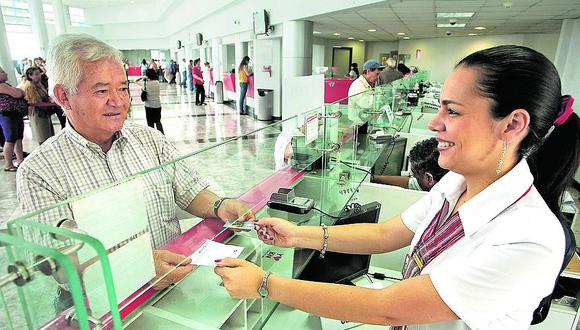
x: 324, y: 242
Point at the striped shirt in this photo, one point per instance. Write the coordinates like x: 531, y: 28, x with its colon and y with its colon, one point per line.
x: 68, y: 165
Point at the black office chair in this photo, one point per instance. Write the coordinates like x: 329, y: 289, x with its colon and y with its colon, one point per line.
x: 541, y: 312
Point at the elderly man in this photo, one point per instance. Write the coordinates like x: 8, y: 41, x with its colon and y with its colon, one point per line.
x: 390, y: 73
x: 99, y: 147
x: 359, y: 101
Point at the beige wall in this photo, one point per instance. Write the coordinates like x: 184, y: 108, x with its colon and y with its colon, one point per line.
x: 358, y: 49
x: 439, y: 55
x: 374, y: 49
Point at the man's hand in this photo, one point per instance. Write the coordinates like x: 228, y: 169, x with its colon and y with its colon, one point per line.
x: 233, y: 209
x: 241, y: 278
x: 169, y: 268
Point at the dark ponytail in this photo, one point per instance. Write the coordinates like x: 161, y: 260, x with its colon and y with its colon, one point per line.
x: 516, y: 77
x: 555, y: 162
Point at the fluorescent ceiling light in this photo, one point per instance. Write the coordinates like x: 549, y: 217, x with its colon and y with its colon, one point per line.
x: 372, y: 30
x: 336, y: 34
x: 361, y: 40
x: 315, y: 32
x: 406, y: 38
x: 472, y: 34
x: 479, y: 28
x: 447, y: 25
x: 401, y: 33
x: 454, y: 15
x: 350, y: 38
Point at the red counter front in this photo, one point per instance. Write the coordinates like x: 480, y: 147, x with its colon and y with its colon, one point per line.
x: 336, y: 89
x: 134, y: 71
x: 230, y: 82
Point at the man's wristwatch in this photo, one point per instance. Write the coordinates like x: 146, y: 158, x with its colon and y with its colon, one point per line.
x: 263, y: 289
x: 217, y: 204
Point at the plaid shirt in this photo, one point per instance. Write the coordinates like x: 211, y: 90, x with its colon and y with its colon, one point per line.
x: 68, y: 165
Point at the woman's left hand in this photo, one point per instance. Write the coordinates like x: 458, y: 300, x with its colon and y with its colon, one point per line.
x: 241, y: 278
x: 233, y: 209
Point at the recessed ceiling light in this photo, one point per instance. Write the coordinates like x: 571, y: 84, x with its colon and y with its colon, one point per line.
x: 479, y: 28
x: 361, y: 40
x: 448, y: 25
x: 401, y: 33
x: 406, y: 38
x: 454, y: 15
x: 315, y: 32
x: 372, y: 30
x: 336, y: 34
x: 472, y: 34
x: 132, y: 1
x: 350, y: 38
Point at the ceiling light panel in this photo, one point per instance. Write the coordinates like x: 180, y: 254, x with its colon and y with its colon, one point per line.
x: 447, y: 25
x: 454, y: 15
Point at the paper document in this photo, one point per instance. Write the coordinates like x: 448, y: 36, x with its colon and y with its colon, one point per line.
x: 211, y: 251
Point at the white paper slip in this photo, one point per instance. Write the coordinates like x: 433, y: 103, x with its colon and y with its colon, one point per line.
x: 211, y: 251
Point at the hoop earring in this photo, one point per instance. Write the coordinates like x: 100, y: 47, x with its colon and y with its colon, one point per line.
x: 501, y: 158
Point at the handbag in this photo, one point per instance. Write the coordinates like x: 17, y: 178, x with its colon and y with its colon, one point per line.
x: 144, y: 92
x: 11, y: 105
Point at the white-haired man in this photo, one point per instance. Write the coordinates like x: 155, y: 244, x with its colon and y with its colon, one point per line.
x: 99, y: 147
x: 390, y: 73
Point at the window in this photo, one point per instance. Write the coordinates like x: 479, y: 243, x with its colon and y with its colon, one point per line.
x: 77, y: 16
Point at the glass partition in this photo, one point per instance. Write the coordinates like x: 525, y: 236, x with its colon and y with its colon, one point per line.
x: 90, y: 260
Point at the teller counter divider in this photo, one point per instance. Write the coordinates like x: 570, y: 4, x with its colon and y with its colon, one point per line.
x: 99, y: 246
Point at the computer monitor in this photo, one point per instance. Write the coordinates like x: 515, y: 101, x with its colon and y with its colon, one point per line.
x: 341, y: 267
x: 391, y: 159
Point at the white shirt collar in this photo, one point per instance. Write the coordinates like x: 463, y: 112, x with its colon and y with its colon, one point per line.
x: 490, y: 202
x: 118, y: 138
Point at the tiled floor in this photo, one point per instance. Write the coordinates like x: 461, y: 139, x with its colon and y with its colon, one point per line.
x: 190, y: 128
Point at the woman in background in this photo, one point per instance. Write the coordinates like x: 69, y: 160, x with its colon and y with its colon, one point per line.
x: 35, y: 92
x: 153, y: 103
x: 243, y: 74
x: 11, y: 122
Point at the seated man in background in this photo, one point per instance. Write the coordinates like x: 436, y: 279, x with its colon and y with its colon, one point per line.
x: 423, y: 165
x: 99, y: 148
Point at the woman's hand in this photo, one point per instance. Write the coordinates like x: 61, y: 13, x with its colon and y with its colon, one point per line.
x: 241, y: 278
x: 233, y: 209
x: 276, y: 231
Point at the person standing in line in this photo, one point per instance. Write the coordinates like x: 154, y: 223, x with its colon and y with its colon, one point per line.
x: 183, y: 81
x: 144, y: 67
x: 243, y: 74
x: 35, y: 92
x: 190, y: 76
x: 153, y: 103
x: 198, y: 79
x: 390, y: 73
x: 207, y: 79
x: 11, y: 123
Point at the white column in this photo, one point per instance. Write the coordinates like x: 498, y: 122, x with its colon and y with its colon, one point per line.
x: 567, y: 60
x: 216, y: 58
x: 241, y: 50
x: 297, y: 49
x: 202, y: 56
x: 5, y: 57
x: 39, y: 25
x: 59, y: 16
x: 67, y: 22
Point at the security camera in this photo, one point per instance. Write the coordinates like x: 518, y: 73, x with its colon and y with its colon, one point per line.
x: 448, y: 33
x: 452, y: 21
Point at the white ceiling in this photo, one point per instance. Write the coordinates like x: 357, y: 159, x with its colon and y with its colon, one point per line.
x: 417, y: 18
x: 102, y: 3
